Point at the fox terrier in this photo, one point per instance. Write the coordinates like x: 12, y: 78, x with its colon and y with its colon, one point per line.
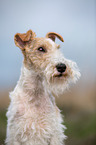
x: 33, y: 117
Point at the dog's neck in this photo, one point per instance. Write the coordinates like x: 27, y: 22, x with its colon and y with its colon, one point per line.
x: 34, y: 91
x: 32, y: 83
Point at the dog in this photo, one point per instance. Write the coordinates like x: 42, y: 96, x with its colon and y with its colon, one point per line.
x: 33, y: 117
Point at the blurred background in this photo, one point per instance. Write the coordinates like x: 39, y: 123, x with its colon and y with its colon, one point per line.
x: 75, y: 20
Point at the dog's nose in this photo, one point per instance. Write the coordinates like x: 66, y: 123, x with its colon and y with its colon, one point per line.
x: 61, y: 67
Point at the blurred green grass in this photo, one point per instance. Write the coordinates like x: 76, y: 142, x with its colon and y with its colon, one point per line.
x: 81, y: 128
x: 3, y: 123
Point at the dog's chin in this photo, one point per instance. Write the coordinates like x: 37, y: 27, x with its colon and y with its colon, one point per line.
x: 59, y: 77
x: 58, y: 83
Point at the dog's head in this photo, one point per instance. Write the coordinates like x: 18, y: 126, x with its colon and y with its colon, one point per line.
x: 44, y: 56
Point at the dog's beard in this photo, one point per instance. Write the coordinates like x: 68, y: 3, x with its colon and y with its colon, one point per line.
x: 59, y: 83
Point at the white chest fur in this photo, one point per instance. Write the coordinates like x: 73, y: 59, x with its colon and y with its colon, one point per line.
x: 33, y: 117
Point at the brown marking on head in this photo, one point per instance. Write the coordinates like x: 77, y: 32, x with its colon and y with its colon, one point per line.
x: 30, y: 45
x: 53, y: 35
x: 21, y: 40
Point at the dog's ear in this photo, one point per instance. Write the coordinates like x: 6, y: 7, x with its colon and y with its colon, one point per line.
x: 53, y: 35
x: 22, y: 39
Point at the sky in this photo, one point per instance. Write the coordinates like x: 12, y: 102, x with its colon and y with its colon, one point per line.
x: 75, y: 20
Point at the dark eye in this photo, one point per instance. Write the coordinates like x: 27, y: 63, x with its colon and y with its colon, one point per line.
x: 41, y: 49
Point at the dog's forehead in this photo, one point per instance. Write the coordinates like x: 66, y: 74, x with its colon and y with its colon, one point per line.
x: 51, y: 42
x: 47, y: 42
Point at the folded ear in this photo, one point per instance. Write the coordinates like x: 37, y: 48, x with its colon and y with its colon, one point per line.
x: 22, y: 39
x: 53, y: 35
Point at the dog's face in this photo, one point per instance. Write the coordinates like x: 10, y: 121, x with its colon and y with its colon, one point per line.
x: 44, y: 56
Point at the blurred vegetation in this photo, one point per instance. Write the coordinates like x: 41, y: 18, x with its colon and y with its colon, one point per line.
x: 81, y: 131
x: 3, y: 123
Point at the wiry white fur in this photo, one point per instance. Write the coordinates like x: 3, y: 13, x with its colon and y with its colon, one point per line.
x: 63, y: 83
x: 33, y: 117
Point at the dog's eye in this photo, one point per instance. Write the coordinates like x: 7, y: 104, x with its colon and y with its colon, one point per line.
x: 41, y: 49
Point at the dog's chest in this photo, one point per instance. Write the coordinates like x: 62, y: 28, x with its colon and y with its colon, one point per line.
x: 39, y: 119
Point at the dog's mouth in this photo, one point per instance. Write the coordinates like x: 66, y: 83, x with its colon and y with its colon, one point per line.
x: 60, y: 75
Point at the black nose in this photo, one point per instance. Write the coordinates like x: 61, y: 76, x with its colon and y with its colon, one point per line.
x: 61, y: 67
